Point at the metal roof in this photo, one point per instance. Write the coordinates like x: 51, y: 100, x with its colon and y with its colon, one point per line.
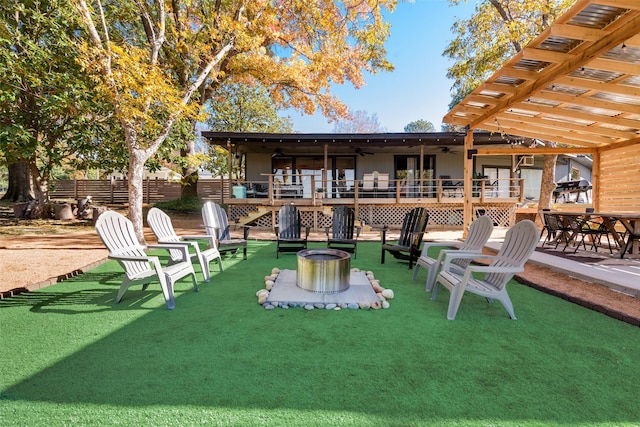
x: 347, y: 143
x: 578, y: 83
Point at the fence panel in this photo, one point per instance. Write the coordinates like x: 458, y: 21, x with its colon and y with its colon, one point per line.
x: 116, y: 191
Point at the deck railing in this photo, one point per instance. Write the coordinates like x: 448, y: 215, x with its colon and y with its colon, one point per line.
x: 393, y: 191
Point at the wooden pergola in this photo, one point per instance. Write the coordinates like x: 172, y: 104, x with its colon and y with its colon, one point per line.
x: 577, y: 84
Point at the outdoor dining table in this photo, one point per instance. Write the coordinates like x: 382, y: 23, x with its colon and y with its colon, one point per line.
x: 630, y: 221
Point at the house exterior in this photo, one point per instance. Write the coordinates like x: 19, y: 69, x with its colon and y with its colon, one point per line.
x: 381, y: 176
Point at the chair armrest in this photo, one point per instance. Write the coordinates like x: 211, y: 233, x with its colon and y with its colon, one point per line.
x: 162, y: 244
x: 455, y: 254
x: 177, y: 245
x: 207, y: 237
x: 427, y: 245
x: 146, y: 258
x: 493, y: 269
x: 196, y: 237
x: 384, y: 234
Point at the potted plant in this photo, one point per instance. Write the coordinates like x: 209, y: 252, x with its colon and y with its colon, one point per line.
x: 319, y: 193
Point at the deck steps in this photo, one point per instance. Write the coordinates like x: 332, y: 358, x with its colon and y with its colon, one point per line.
x: 253, y: 215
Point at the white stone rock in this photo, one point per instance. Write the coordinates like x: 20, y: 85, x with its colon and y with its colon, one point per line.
x: 385, y: 304
x: 262, y: 291
x: 387, y: 293
x: 275, y: 270
x: 262, y: 299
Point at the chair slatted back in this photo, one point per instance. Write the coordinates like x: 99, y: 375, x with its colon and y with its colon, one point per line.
x: 215, y: 218
x: 414, y: 225
x: 160, y: 224
x: 289, y: 222
x: 118, y: 235
x: 343, y: 223
x: 479, y: 232
x: 383, y: 181
x: 519, y: 243
x: 368, y: 182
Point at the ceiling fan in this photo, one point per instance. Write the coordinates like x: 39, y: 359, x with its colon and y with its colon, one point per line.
x: 447, y: 150
x: 362, y: 153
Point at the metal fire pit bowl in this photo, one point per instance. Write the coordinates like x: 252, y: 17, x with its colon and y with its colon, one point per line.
x: 323, y: 270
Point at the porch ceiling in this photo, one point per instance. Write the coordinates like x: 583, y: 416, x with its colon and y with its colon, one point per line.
x: 349, y: 144
x: 578, y: 83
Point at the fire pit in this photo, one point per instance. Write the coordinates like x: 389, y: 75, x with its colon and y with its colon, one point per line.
x: 323, y: 270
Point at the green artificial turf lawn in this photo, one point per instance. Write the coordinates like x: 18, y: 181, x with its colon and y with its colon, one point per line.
x: 72, y: 357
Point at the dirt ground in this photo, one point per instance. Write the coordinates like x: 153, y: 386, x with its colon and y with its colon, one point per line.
x: 34, y: 254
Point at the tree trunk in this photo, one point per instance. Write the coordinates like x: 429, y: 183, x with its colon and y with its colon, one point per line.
x: 136, y: 182
x: 548, y: 183
x: 189, y: 174
x: 40, y: 191
x: 19, y: 189
x: 189, y: 184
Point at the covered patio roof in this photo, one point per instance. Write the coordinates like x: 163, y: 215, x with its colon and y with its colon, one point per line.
x: 577, y: 83
x: 337, y: 143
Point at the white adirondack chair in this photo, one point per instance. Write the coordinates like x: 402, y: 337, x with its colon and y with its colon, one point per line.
x: 479, y: 232
x: 519, y: 243
x: 162, y: 227
x: 118, y: 235
x: 217, y: 225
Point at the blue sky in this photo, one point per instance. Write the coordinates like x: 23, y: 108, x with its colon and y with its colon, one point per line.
x: 418, y: 87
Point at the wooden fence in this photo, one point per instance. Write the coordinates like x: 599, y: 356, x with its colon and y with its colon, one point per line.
x: 154, y: 190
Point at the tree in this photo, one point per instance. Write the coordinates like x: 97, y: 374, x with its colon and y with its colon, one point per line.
x: 241, y: 108
x: 496, y: 31
x: 359, y: 122
x: 156, y: 61
x: 420, y: 126
x: 48, y: 110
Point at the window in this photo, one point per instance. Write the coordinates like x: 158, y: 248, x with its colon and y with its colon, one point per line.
x: 299, y: 169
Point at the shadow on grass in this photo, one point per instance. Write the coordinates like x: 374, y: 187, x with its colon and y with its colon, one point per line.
x: 218, y: 350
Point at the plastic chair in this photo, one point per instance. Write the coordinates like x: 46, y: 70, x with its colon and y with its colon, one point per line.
x: 519, y: 243
x: 160, y: 224
x: 408, y: 246
x: 479, y: 232
x: 342, y: 230
x: 118, y: 235
x: 289, y: 231
x: 217, y: 225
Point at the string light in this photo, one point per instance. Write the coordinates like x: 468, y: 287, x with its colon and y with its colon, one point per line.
x: 582, y: 71
x: 624, y: 47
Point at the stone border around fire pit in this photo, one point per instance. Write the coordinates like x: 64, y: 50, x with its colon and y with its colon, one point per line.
x: 384, y: 295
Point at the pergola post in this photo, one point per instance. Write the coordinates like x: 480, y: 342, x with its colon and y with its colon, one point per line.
x: 467, y: 213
